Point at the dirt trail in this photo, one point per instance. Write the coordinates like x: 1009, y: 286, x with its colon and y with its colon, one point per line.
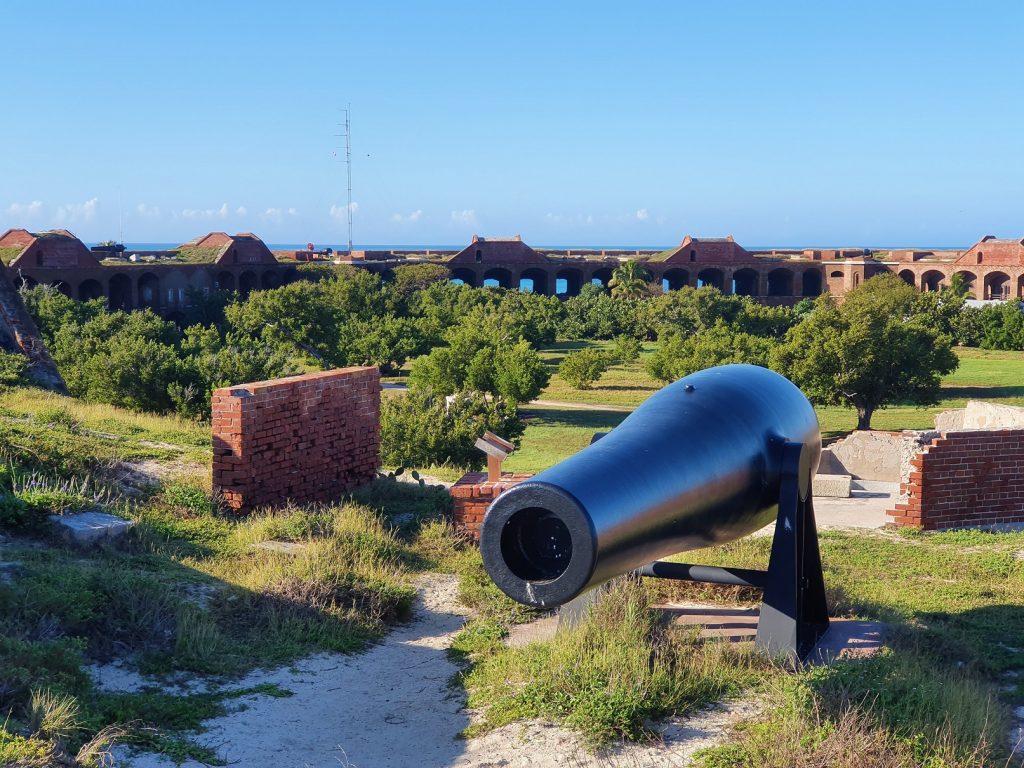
x: 392, y: 707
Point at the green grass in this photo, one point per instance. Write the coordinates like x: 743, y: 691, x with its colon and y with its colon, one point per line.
x: 622, y: 385
x: 186, y: 590
x: 553, y: 434
x: 954, y: 603
x: 7, y: 255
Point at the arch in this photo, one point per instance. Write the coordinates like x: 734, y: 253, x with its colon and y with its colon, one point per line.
x: 290, y: 276
x: 149, y: 291
x: 247, y: 283
x: 90, y: 289
x: 270, y: 279
x: 464, y: 276
x: 908, y: 277
x: 496, y: 277
x: 174, y: 289
x: 970, y: 282
x: 568, y: 282
x: 674, y: 279
x: 601, y: 276
x: 932, y: 280
x: 780, y: 282
x: 534, y: 280
x: 712, y: 277
x: 744, y: 282
x: 178, y: 318
x: 225, y: 281
x: 63, y: 287
x: 119, y: 293
x: 836, y: 273
x: 25, y: 281
x: 997, y: 286
x: 811, y: 283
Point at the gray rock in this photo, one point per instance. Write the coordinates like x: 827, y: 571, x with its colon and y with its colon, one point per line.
x: 85, y: 528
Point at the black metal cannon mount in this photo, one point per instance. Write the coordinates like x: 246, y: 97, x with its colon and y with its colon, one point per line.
x: 709, y: 459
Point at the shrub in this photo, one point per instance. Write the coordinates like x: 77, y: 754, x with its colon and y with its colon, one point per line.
x: 626, y: 348
x: 12, y: 369
x: 583, y: 367
x: 419, y: 429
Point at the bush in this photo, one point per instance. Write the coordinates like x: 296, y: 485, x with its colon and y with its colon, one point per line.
x: 12, y: 369
x: 626, y: 348
x: 679, y: 355
x: 582, y: 368
x: 419, y: 429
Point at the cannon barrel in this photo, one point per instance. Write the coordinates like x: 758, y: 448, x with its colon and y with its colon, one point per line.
x: 699, y: 463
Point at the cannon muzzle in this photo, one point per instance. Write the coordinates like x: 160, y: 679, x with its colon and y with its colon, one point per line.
x: 704, y: 461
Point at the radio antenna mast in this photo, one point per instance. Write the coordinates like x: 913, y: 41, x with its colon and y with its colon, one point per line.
x: 348, y: 166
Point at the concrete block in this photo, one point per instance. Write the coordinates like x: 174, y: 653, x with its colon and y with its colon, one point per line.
x: 85, y: 528
x: 832, y: 486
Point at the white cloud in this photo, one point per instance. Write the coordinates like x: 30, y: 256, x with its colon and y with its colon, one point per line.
x: 412, y: 218
x: 643, y: 215
x: 24, y: 210
x: 240, y: 210
x: 337, y: 212
x: 579, y: 218
x: 148, y: 211
x: 206, y: 213
x: 74, y: 213
x: 467, y: 216
x: 277, y: 215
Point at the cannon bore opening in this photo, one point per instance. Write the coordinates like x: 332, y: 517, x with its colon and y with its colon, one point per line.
x: 536, y: 545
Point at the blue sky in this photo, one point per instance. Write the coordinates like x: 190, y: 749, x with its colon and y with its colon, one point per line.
x: 570, y: 123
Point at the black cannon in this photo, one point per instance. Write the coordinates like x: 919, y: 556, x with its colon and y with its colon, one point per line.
x: 711, y: 458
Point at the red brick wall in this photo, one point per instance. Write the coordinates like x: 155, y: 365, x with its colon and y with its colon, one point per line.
x: 472, y: 495
x: 965, y: 479
x: 302, y: 438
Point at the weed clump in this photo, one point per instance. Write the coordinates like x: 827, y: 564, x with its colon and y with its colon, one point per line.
x: 609, y: 676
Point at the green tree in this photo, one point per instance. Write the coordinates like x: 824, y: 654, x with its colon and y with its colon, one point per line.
x: 626, y: 348
x: 874, y: 349
x: 629, y: 281
x: 679, y: 354
x: 582, y: 368
x: 411, y: 278
x: 419, y: 429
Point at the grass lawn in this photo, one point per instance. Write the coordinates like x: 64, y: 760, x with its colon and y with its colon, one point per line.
x: 553, y: 434
x: 940, y: 694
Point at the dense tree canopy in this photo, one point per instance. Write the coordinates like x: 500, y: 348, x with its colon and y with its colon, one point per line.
x: 878, y: 347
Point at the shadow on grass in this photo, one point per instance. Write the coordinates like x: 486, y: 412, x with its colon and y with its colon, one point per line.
x: 565, y: 417
x: 984, y: 393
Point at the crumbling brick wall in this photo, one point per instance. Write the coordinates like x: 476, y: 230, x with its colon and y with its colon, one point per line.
x: 301, y: 438
x: 965, y: 479
x: 472, y: 495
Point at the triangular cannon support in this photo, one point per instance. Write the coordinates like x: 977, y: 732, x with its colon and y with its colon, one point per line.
x: 794, y: 613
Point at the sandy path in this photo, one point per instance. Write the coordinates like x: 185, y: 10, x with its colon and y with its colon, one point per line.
x: 392, y: 707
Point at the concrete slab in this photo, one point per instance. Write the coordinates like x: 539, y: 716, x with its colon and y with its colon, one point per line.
x: 91, y: 527
x: 869, y: 499
x: 845, y: 638
x: 832, y: 486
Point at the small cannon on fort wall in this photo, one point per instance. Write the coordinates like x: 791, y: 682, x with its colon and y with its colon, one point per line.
x: 709, y: 459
